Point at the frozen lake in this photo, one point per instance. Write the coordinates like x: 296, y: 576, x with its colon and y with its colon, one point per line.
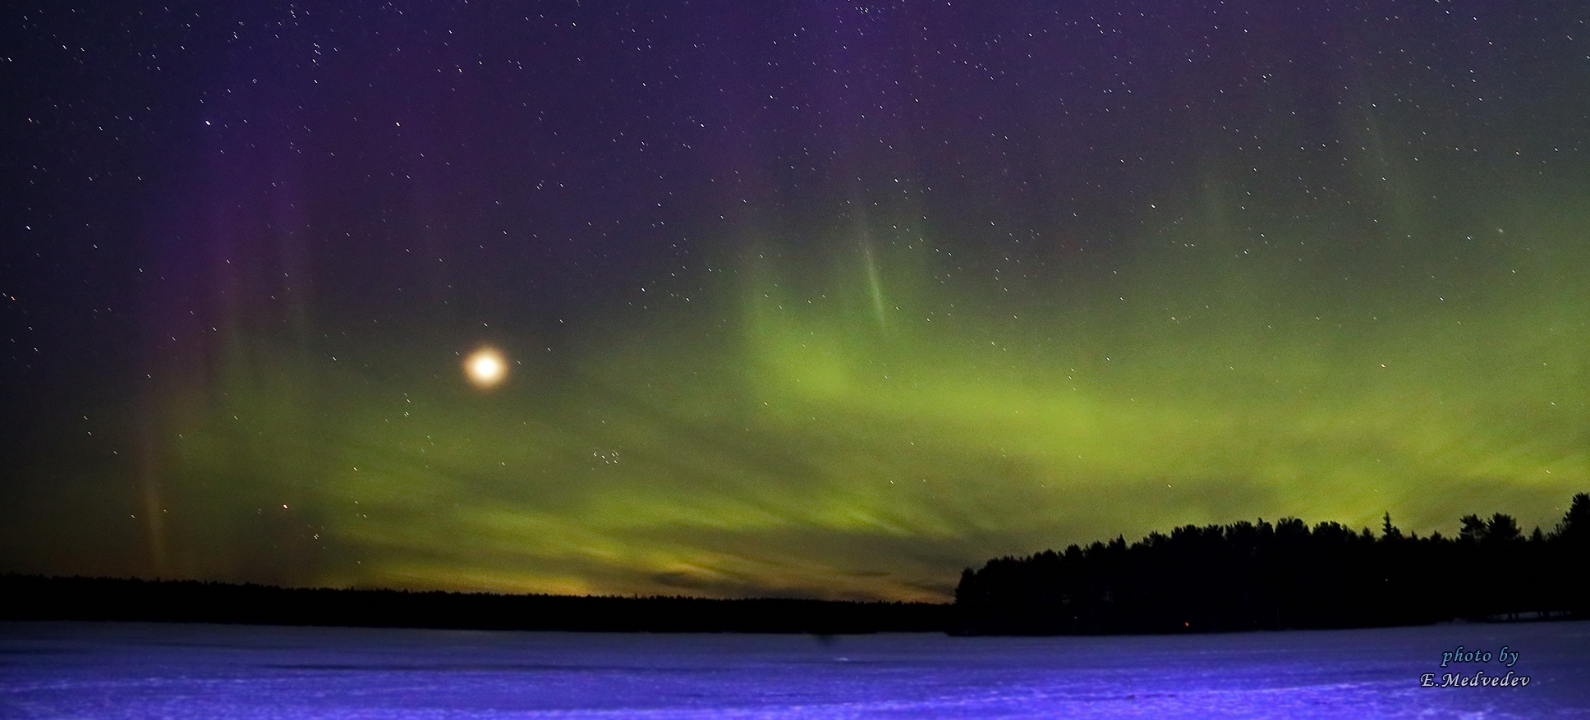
x: 88, y: 670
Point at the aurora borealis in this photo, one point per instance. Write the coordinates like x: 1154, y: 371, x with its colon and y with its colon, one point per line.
x: 828, y: 299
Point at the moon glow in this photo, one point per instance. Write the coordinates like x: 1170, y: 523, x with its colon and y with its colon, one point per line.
x: 486, y: 368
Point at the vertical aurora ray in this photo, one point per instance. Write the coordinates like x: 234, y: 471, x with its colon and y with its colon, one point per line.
x: 874, y: 285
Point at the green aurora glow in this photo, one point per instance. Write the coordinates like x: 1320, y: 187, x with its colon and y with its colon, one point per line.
x: 779, y: 436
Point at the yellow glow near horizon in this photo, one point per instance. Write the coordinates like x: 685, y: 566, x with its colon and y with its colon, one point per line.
x: 486, y: 368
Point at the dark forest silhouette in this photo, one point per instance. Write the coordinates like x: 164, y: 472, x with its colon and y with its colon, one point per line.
x: 1248, y: 576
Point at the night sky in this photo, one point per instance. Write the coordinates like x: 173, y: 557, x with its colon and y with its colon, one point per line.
x: 819, y: 299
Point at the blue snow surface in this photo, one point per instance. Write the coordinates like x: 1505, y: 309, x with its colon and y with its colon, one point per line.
x: 131, y: 670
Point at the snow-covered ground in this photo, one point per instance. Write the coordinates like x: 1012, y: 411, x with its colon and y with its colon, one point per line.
x: 90, y: 670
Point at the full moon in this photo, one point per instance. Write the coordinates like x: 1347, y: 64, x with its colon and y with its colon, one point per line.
x: 486, y: 367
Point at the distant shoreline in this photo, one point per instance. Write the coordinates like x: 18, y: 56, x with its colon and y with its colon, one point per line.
x: 45, y: 598
x: 36, y: 597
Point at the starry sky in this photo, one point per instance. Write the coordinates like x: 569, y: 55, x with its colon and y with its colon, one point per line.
x: 814, y: 299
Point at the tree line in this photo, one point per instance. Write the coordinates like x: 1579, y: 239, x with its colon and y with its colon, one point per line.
x: 1253, y: 576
